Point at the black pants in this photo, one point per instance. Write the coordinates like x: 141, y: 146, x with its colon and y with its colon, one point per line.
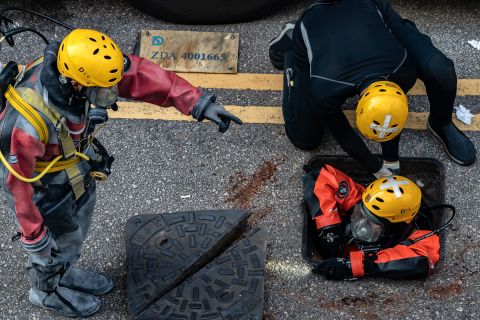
x: 304, y: 122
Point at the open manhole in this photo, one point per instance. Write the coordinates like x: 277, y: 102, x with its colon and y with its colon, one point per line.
x: 427, y: 173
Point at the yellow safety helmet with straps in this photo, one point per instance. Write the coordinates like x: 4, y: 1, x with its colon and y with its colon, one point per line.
x: 90, y: 58
x: 382, y: 111
x: 394, y: 198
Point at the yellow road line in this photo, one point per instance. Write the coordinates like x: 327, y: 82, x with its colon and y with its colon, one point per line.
x: 257, y: 115
x: 274, y: 82
x: 264, y: 82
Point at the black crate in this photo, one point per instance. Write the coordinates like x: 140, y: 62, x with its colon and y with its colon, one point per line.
x: 429, y: 172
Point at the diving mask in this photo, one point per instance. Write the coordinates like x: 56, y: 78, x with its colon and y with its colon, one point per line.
x: 365, y: 226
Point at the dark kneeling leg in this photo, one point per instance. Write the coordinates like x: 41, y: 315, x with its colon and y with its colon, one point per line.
x: 441, y: 83
x: 303, y: 125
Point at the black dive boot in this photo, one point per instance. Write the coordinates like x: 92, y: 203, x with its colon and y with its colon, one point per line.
x: 65, y: 301
x: 86, y: 281
x: 457, y: 145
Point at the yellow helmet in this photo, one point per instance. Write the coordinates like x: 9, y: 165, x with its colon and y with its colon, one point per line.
x: 91, y: 58
x: 395, y: 198
x: 382, y: 111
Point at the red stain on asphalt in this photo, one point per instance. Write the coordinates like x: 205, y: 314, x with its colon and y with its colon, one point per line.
x: 243, y: 189
x: 367, y: 306
x: 445, y: 291
x: 268, y: 316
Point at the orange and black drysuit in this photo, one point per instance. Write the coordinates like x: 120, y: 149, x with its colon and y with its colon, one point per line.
x: 330, y: 196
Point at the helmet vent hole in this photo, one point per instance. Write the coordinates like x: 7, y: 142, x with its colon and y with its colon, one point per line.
x: 375, y: 132
x: 63, y: 45
x: 367, y: 94
x: 378, y: 85
x: 401, y: 190
x: 394, y: 125
x: 379, y: 199
x: 385, y: 181
x: 382, y: 90
x: 371, y: 186
x: 66, y: 66
x: 96, y: 51
x: 394, y: 178
x: 108, y: 57
x: 399, y: 93
x: 112, y: 80
x: 113, y: 46
x: 376, y: 122
x: 376, y: 207
x: 389, y: 134
x: 103, y: 38
x: 390, y: 191
x: 113, y: 71
x: 105, y: 46
x: 93, y: 39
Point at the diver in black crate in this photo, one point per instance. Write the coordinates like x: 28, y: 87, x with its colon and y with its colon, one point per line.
x: 370, y: 231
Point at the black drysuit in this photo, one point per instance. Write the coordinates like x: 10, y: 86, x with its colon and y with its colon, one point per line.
x: 339, y: 48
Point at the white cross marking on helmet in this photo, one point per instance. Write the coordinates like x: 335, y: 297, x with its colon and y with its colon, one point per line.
x: 384, y: 129
x: 395, y: 184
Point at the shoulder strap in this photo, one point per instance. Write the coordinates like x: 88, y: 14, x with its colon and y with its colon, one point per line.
x: 27, y: 101
x: 26, y: 110
x: 34, y: 99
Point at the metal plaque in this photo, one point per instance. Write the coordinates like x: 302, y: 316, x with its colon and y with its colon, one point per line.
x: 189, y: 51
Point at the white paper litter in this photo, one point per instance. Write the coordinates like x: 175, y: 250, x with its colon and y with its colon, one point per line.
x: 475, y: 44
x: 464, y: 115
x: 185, y: 197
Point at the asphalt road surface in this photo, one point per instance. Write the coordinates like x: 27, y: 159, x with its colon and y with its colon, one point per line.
x: 166, y: 166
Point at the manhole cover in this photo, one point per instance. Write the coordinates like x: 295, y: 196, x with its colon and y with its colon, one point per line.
x: 229, y: 288
x: 163, y: 250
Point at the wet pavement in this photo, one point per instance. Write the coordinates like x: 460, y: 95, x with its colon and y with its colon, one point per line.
x: 164, y: 166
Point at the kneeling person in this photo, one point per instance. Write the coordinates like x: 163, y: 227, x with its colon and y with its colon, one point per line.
x: 370, y: 231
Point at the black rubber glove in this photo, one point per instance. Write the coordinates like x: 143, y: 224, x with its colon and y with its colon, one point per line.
x: 331, y: 241
x: 334, y: 269
x: 217, y: 113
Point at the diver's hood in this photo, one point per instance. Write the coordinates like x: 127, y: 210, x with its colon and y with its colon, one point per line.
x: 60, y: 91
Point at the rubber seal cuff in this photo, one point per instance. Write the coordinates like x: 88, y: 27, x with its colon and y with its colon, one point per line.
x: 198, y: 111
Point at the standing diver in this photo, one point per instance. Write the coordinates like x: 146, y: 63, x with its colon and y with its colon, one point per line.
x: 52, y: 159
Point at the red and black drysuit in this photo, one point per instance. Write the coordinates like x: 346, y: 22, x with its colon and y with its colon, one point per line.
x: 49, y: 209
x: 330, y: 196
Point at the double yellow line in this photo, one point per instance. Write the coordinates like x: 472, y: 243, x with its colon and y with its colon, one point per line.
x: 274, y: 82
x: 272, y: 114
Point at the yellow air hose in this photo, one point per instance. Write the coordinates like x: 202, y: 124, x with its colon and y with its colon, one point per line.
x: 41, y: 174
